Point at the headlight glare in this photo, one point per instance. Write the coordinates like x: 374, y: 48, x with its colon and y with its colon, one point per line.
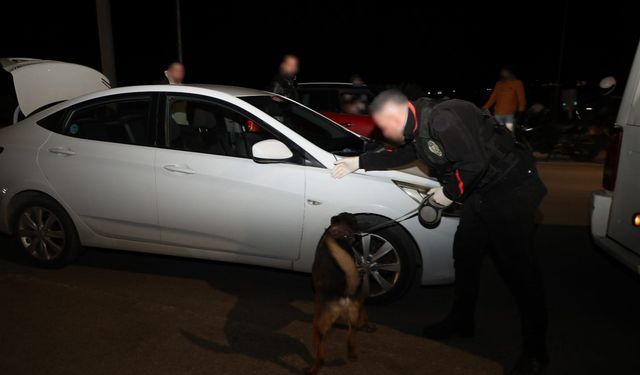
x: 416, y: 192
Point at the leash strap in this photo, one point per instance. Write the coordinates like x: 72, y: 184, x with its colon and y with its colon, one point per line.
x: 388, y: 223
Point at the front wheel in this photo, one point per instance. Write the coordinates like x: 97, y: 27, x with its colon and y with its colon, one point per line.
x: 45, y: 232
x: 386, y: 260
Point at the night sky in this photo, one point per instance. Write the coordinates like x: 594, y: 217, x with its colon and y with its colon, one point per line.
x: 444, y: 44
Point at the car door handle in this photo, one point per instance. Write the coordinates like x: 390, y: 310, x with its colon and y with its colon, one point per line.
x: 179, y: 169
x: 62, y: 151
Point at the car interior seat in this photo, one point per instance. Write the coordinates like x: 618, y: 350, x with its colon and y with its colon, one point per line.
x: 205, y: 133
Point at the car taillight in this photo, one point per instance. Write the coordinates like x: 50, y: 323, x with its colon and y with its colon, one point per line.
x: 611, y: 162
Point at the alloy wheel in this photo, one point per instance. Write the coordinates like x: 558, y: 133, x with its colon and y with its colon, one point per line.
x: 378, y: 262
x: 41, y: 233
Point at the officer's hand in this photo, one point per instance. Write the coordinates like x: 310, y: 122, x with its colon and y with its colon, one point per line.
x: 439, y: 197
x: 345, y: 166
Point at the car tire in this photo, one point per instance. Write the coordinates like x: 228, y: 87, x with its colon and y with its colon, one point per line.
x: 45, y: 233
x: 389, y: 263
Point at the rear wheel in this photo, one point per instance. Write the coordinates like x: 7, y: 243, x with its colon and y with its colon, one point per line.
x: 386, y: 259
x: 45, y: 233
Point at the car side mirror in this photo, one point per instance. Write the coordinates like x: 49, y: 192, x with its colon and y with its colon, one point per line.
x: 270, y: 151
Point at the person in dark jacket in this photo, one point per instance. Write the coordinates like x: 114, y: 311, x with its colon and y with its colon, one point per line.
x: 479, y: 164
x: 284, y: 83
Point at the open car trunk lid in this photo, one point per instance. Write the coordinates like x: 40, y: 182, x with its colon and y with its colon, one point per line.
x: 39, y: 83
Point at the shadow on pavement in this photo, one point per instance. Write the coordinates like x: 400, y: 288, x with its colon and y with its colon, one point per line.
x: 253, y: 330
x: 263, y: 307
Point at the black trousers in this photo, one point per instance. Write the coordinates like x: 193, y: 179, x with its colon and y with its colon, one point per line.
x: 500, y: 223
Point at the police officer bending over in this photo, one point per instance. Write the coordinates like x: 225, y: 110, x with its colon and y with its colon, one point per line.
x: 479, y: 164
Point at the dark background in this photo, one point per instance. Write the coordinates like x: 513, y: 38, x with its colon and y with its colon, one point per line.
x: 432, y: 44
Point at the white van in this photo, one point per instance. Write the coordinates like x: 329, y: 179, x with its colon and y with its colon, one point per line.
x: 615, y: 216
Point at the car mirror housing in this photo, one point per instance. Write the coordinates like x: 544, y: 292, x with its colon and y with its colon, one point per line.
x: 271, y: 151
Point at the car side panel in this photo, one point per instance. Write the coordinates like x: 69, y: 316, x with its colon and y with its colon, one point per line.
x: 18, y: 164
x: 327, y: 197
x: 19, y: 172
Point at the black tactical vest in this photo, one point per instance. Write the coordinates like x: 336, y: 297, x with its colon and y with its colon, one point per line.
x: 500, y: 148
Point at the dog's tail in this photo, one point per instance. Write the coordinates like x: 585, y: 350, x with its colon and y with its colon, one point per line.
x: 346, y: 263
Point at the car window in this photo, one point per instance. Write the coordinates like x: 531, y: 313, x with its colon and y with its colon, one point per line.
x: 355, y: 102
x: 53, y: 122
x: 119, y: 121
x: 318, y: 129
x: 321, y: 100
x: 199, y: 125
x: 316, y: 99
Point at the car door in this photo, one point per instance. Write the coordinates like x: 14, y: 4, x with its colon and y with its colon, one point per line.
x: 100, y: 162
x: 213, y: 196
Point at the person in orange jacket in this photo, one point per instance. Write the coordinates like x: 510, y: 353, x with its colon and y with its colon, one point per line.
x: 507, y: 98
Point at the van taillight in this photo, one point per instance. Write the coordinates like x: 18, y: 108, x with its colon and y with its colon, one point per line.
x: 611, y: 162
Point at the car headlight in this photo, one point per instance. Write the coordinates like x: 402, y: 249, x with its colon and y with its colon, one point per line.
x: 416, y: 192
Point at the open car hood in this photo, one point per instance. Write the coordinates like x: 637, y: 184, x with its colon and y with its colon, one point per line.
x: 39, y: 83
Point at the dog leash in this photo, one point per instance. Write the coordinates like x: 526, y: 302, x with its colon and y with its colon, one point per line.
x: 391, y: 222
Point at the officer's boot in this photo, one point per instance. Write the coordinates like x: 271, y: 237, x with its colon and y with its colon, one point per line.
x: 534, y: 358
x: 459, y: 323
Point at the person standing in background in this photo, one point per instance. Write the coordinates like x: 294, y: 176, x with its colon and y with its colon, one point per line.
x: 174, y: 75
x: 284, y: 83
x: 507, y: 98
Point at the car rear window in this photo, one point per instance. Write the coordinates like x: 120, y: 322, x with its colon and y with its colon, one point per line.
x: 53, y: 122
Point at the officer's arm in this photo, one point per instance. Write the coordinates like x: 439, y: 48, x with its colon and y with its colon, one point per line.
x: 376, y: 161
x: 462, y: 150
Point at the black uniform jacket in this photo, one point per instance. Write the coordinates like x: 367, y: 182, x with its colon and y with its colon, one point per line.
x: 285, y: 86
x: 455, y: 125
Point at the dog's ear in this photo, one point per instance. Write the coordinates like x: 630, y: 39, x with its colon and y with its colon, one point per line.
x: 335, y: 219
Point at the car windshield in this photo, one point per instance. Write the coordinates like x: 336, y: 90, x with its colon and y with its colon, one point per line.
x: 316, y: 128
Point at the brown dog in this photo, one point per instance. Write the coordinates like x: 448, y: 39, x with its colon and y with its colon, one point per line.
x: 336, y: 282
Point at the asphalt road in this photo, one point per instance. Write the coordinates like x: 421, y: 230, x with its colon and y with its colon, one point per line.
x: 570, y: 185
x: 115, y: 312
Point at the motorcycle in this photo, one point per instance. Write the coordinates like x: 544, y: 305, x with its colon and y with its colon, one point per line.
x: 576, y: 140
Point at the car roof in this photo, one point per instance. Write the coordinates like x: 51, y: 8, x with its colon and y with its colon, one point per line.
x: 231, y: 90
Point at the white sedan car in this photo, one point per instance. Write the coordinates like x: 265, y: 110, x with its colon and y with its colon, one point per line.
x: 211, y: 172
